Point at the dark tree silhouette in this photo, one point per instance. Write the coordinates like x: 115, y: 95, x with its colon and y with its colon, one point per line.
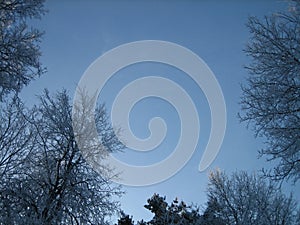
x: 270, y: 100
x: 164, y: 214
x: 125, y: 220
x: 210, y: 215
x: 19, y: 44
x: 244, y: 198
x: 55, y: 185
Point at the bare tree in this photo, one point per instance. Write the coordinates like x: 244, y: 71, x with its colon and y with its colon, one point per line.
x: 249, y: 199
x: 15, y: 136
x: 57, y: 185
x: 271, y: 97
x: 19, y: 44
x: 16, y: 139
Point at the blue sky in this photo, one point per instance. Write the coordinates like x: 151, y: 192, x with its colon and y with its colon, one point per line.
x: 78, y: 32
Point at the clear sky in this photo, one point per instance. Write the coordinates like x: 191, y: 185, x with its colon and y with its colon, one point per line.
x: 78, y: 32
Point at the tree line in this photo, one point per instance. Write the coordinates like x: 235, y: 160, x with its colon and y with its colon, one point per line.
x: 240, y: 198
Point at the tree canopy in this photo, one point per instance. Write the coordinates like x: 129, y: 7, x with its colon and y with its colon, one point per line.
x: 52, y: 183
x: 44, y: 178
x: 270, y: 100
x: 244, y: 198
x: 239, y: 198
x: 19, y: 44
